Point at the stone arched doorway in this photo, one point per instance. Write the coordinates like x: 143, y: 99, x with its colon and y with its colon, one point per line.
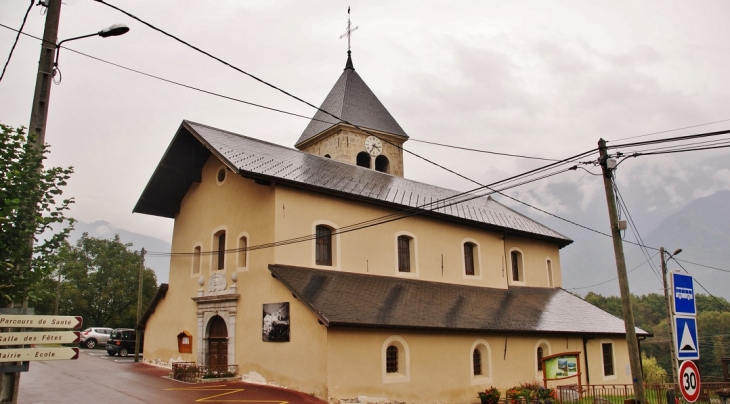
x: 217, y: 342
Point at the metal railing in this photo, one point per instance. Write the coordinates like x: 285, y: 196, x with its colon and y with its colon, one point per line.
x: 710, y: 393
x: 190, y: 372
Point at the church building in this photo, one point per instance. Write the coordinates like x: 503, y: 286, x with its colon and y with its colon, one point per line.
x: 323, y: 269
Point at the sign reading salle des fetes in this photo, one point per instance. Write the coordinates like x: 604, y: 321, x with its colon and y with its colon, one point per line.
x: 32, y: 339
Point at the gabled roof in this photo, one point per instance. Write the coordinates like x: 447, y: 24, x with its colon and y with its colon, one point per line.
x: 358, y: 300
x: 353, y: 101
x: 182, y: 163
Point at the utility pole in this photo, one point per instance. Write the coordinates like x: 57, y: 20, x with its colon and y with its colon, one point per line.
x: 10, y: 382
x: 139, y: 307
x: 623, y: 281
x: 42, y: 93
x: 670, y: 323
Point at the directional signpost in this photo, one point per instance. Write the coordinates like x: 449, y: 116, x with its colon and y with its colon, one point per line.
x: 16, y: 340
x: 15, y: 321
x: 689, y: 381
x: 51, y: 337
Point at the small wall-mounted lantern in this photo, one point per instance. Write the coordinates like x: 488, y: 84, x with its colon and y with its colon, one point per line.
x: 185, y: 342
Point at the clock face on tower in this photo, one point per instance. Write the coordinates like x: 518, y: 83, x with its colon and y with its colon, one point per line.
x: 373, y: 146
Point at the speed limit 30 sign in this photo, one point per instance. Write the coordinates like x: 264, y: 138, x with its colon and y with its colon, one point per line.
x: 689, y: 381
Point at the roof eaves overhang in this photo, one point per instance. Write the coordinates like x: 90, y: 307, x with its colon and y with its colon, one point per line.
x: 180, y: 167
x: 159, y: 295
x: 320, y: 316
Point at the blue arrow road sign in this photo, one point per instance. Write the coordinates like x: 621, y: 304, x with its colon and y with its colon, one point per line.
x: 684, y: 294
x: 685, y: 338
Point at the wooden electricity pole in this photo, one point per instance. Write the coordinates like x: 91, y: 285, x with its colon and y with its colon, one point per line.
x: 670, y: 323
x: 138, y: 334
x: 623, y: 281
x: 42, y: 94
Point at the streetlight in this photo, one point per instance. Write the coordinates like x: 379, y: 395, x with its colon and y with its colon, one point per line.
x: 48, y: 66
x: 112, y: 30
x: 668, y: 304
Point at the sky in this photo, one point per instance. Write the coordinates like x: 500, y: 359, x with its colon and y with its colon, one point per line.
x: 542, y: 79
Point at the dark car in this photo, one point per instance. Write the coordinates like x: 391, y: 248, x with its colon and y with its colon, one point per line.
x: 121, y: 341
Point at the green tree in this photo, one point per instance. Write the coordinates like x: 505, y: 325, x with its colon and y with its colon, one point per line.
x: 28, y: 209
x: 100, y: 280
x: 653, y: 373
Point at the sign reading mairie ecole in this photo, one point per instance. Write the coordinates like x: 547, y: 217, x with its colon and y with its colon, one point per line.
x: 14, y: 321
x: 38, y: 354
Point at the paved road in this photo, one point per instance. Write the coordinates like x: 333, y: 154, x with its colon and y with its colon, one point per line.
x: 97, y: 377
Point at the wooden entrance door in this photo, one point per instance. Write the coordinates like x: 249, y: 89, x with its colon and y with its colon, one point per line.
x: 217, y: 342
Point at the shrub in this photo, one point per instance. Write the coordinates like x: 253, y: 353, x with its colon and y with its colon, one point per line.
x: 490, y: 395
x: 531, y: 393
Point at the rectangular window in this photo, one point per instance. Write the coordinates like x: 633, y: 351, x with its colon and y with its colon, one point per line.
x: 477, y: 359
x: 404, y: 254
x: 391, y: 359
x: 222, y: 251
x: 607, y: 359
x: 469, y: 258
x: 323, y: 250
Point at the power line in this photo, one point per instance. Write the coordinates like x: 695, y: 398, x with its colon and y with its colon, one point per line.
x: 705, y: 289
x: 25, y: 17
x: 671, y: 130
x: 483, y: 151
x: 614, y: 278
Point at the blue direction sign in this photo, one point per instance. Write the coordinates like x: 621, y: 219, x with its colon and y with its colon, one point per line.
x: 684, y: 294
x: 685, y: 338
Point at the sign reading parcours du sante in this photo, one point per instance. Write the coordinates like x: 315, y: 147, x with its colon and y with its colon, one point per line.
x: 15, y: 321
x: 38, y: 354
x: 49, y: 337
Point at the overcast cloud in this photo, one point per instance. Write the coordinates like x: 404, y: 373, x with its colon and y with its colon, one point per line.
x: 543, y: 79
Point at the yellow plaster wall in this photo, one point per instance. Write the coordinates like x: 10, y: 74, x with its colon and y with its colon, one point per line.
x: 237, y: 205
x: 438, y: 245
x: 440, y: 364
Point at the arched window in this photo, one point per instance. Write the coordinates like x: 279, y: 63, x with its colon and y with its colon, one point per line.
x: 391, y: 359
x: 328, y: 156
x: 542, y: 349
x: 196, y: 260
x: 476, y: 358
x: 396, y: 359
x: 518, y: 273
x: 481, y: 363
x: 382, y: 164
x: 404, y: 253
x: 220, y: 247
x: 323, y: 250
x: 242, y: 252
x: 363, y: 159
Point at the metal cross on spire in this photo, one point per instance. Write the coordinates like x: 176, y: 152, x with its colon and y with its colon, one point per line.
x: 349, y: 31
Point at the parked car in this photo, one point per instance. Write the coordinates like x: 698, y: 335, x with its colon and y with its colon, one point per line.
x: 121, y: 341
x: 93, y: 336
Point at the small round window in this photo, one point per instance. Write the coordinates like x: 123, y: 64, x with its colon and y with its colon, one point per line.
x: 221, y: 176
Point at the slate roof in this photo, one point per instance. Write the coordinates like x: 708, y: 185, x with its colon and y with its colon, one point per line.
x: 351, y: 100
x: 253, y: 158
x: 359, y: 300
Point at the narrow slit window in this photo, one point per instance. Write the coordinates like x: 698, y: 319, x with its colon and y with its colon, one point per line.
x: 196, y: 260
x: 221, y: 249
x: 404, y: 254
x: 242, y: 246
x: 469, y: 258
x: 477, y: 360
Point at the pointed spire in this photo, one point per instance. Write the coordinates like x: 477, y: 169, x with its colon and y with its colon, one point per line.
x: 349, y: 64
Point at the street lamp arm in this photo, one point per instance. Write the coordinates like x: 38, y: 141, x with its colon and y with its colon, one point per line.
x: 112, y: 30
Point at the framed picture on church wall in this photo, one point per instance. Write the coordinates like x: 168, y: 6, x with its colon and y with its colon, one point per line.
x: 275, y: 326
